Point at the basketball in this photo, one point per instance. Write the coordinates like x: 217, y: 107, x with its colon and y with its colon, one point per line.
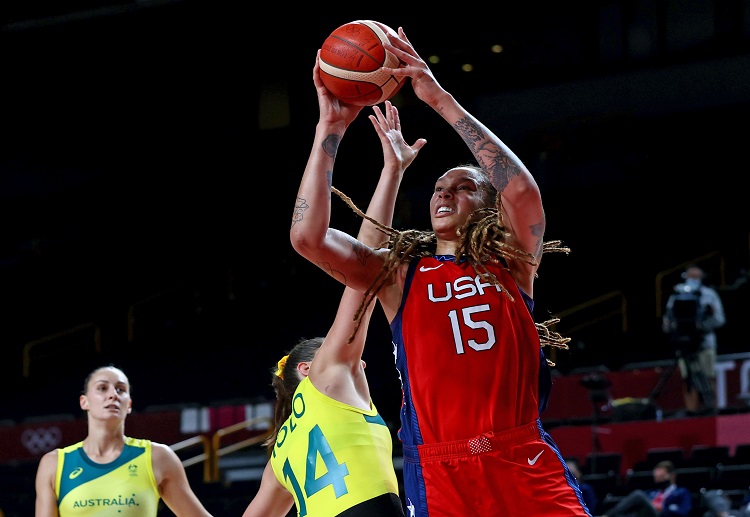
x: 350, y: 64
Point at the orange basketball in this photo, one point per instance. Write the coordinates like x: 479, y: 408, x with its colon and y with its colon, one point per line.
x: 351, y: 61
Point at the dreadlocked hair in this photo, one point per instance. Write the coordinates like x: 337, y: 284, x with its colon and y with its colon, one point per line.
x: 402, y: 246
x: 550, y: 338
x: 483, y: 240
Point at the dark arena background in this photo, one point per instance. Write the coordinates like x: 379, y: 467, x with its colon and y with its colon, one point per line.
x: 150, y: 157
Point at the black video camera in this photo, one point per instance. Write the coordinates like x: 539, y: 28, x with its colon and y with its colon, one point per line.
x: 685, y: 317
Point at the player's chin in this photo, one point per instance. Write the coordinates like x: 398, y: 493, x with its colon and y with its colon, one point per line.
x: 442, y: 223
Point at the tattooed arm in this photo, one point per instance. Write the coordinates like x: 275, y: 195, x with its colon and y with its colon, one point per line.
x: 310, y: 234
x: 522, y: 210
x: 337, y: 370
x: 340, y: 255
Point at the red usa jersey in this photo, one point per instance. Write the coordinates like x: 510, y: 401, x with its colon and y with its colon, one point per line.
x: 469, y: 357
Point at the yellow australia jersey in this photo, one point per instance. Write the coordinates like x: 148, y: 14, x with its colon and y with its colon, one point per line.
x: 124, y: 487
x: 332, y: 456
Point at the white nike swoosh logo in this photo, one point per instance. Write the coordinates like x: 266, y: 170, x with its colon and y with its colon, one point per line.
x: 531, y: 462
x: 423, y: 268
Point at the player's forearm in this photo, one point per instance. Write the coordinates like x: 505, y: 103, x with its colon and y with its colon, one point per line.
x: 381, y: 208
x: 312, y: 208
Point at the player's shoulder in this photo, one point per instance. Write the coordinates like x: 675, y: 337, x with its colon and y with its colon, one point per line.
x: 139, y: 442
x: 163, y: 452
x: 48, y: 462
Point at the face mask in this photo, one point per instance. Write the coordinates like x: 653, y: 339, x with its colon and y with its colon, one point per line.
x: 693, y: 283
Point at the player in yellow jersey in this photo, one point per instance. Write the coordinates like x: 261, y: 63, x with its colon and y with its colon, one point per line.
x: 109, y: 473
x: 331, y: 453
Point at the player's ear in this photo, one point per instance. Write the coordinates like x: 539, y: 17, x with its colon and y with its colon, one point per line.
x: 304, y: 368
x: 83, y: 401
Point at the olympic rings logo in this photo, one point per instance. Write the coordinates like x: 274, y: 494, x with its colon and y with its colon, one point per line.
x: 41, y: 440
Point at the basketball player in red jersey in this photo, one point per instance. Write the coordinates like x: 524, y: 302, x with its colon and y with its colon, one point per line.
x: 459, y: 301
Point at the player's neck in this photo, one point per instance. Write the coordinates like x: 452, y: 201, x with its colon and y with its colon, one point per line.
x: 446, y: 247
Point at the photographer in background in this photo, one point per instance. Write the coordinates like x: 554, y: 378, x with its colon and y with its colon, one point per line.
x: 692, y: 314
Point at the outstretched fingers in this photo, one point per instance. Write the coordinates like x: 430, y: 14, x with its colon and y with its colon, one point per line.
x: 389, y: 119
x: 393, y: 116
x: 402, y: 48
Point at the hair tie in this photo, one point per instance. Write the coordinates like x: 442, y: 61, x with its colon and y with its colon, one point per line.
x: 280, y: 367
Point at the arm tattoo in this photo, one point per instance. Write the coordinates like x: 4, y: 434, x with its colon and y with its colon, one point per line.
x: 299, y: 210
x: 469, y: 131
x: 361, y: 251
x: 491, y: 157
x: 338, y: 275
x: 537, y: 230
x: 331, y: 145
x: 499, y: 165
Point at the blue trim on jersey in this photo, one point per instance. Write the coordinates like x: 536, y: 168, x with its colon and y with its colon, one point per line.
x: 89, y: 470
x: 545, y: 382
x: 375, y: 419
x: 545, y: 374
x: 409, y: 434
x: 569, y: 477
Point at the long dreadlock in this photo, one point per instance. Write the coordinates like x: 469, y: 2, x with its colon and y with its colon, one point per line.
x: 483, y: 240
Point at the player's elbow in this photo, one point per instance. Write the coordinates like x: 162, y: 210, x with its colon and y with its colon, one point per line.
x: 521, y: 195
x: 300, y: 242
x: 306, y: 243
x: 527, y: 193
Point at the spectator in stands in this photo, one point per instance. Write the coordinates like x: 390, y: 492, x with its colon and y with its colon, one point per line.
x: 667, y: 499
x: 719, y: 505
x: 744, y: 509
x: 693, y: 312
x: 587, y: 490
x: 109, y: 472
